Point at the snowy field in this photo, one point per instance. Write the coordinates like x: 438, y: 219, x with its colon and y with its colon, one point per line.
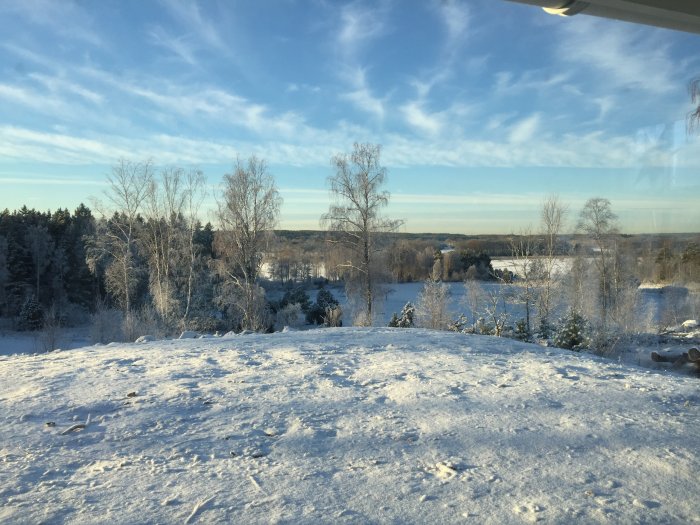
x: 12, y: 342
x: 344, y: 426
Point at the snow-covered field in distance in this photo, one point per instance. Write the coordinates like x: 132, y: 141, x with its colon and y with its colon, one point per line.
x: 344, y: 426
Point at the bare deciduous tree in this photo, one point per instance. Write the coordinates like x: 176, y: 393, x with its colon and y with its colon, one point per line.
x: 527, y: 270
x: 195, y: 193
x: 553, y: 215
x: 432, y: 307
x: 247, y: 214
x: 128, y: 187
x: 355, y: 218
x: 598, y: 221
x: 694, y: 115
x: 171, y: 210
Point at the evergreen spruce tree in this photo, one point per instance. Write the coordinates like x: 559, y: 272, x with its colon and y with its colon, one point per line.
x: 405, y: 318
x: 522, y: 333
x: 572, y: 332
x: 394, y: 321
x: 31, y: 316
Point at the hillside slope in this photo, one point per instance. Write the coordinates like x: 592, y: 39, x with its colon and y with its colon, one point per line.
x: 344, y: 425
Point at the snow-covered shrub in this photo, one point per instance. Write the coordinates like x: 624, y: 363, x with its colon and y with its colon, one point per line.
x: 333, y: 317
x: 405, y: 318
x: 205, y: 323
x: 72, y: 314
x: 144, y: 321
x: 522, y: 331
x: 461, y: 325
x: 51, y: 330
x: 431, y: 310
x: 291, y: 315
x: 572, y: 332
x: 106, y: 325
x: 31, y: 316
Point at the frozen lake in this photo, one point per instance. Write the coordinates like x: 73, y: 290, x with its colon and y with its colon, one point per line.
x: 654, y: 302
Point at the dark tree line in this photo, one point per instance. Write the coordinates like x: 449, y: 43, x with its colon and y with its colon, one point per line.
x: 43, y: 261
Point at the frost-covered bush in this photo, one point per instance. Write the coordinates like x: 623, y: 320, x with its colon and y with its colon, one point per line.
x: 572, y: 332
x: 405, y: 318
x: 51, y: 330
x: 291, y: 315
x: 461, y: 325
x: 333, y: 317
x: 522, y: 331
x: 106, y: 325
x: 144, y: 321
x: 205, y: 323
x: 431, y: 310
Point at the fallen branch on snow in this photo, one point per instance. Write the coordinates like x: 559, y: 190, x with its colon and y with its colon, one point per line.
x: 197, y: 509
x: 77, y: 426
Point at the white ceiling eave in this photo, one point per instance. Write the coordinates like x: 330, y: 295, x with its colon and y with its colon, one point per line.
x: 682, y: 15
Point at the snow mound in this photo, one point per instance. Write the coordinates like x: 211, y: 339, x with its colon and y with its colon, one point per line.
x: 690, y: 324
x: 344, y: 425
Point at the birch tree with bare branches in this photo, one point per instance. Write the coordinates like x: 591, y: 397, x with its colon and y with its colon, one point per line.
x: 355, y: 220
x: 172, y: 207
x: 115, y: 239
x: 552, y: 216
x: 694, y: 115
x: 248, y: 214
x: 598, y: 221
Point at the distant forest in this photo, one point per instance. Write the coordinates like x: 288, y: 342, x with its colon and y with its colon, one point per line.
x: 54, y: 263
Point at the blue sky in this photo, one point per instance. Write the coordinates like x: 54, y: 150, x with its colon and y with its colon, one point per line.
x: 482, y: 107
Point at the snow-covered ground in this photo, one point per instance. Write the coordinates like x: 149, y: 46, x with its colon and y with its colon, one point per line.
x: 12, y: 342
x: 344, y: 426
x: 561, y: 266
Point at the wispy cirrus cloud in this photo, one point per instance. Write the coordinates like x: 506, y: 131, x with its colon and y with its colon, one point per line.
x: 629, y: 57
x: 360, y: 94
x: 536, y: 80
x: 524, y: 130
x: 190, y: 16
x: 67, y: 18
x: 358, y: 25
x: 456, y: 17
x: 422, y: 120
x: 179, y: 46
x: 58, y: 84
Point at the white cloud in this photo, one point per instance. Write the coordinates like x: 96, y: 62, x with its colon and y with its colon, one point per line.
x: 536, y: 80
x: 316, y: 146
x: 455, y: 16
x: 179, y: 46
x: 360, y: 95
x: 358, y: 25
x: 624, y: 56
x: 66, y: 18
x: 38, y: 180
x: 189, y: 15
x: 525, y: 129
x: 57, y: 85
x: 418, y: 118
